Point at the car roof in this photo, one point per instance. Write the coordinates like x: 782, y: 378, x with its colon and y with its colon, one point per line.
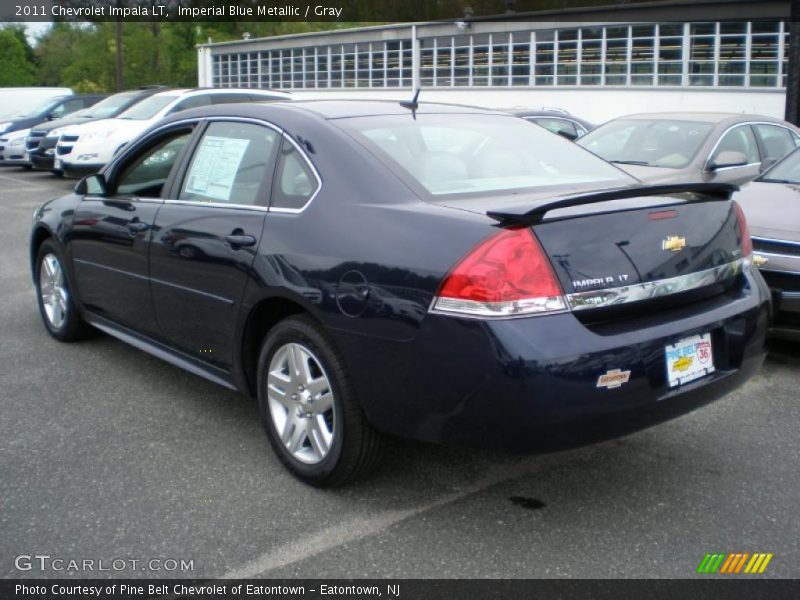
x: 701, y: 117
x: 196, y: 91
x: 325, y: 110
x: 342, y: 109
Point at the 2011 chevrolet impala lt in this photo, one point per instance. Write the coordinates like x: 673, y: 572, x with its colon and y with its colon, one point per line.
x: 427, y: 271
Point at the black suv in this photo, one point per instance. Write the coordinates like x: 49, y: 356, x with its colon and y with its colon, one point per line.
x: 42, y: 140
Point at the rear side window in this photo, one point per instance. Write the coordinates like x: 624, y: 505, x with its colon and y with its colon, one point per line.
x: 230, y: 164
x: 777, y: 141
x: 295, y: 182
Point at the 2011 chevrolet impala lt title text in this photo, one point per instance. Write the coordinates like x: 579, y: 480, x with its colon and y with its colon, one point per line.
x: 436, y: 272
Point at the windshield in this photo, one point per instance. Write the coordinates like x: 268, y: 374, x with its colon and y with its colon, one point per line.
x: 147, y: 109
x: 653, y: 142
x: 460, y: 154
x: 110, y: 107
x: 43, y: 109
x: 786, y: 171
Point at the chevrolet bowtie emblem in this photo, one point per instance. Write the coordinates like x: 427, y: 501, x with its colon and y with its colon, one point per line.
x: 673, y: 243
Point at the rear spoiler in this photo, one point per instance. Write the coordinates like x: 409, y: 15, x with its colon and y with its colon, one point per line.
x: 710, y: 191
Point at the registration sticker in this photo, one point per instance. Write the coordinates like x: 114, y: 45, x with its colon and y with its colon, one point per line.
x: 691, y: 358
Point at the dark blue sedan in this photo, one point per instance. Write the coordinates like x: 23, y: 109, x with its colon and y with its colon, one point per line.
x: 372, y: 269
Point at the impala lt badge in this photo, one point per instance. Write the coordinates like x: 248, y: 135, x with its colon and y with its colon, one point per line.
x: 673, y: 243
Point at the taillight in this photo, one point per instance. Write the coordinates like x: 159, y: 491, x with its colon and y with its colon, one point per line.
x: 507, y: 274
x: 744, y: 231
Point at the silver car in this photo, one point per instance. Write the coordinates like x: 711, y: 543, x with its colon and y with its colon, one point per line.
x: 772, y: 206
x: 693, y: 147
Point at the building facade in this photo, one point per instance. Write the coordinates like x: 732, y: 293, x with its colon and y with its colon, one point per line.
x: 597, y: 63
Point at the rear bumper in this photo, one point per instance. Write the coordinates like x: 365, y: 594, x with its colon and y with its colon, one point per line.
x: 532, y: 384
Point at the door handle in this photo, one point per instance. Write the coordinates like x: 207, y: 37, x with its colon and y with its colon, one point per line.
x: 137, y: 227
x: 241, y: 239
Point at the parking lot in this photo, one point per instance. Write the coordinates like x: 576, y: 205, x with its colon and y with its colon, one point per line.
x: 108, y: 453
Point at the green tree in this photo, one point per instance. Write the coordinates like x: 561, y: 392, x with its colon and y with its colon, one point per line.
x: 16, y: 65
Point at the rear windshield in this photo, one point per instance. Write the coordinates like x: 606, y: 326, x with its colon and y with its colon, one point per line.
x: 666, y: 143
x: 475, y: 153
x: 109, y: 107
x: 147, y: 109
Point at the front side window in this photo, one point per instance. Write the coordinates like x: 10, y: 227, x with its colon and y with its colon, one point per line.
x: 475, y: 153
x: 652, y: 142
x: 230, y: 164
x: 741, y: 140
x: 146, y: 174
x: 777, y: 141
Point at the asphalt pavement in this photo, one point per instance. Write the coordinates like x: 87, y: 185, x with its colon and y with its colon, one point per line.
x: 108, y: 454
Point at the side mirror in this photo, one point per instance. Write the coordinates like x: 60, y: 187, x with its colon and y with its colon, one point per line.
x: 767, y: 163
x: 94, y: 185
x: 727, y: 159
x: 567, y: 134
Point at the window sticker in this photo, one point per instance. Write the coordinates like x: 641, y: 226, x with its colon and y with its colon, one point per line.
x: 215, y: 166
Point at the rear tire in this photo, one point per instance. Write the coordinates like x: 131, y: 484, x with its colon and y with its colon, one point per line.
x: 309, y: 409
x: 56, y: 307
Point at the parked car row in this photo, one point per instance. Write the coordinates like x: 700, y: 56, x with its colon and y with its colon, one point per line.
x: 429, y: 271
x: 78, y: 134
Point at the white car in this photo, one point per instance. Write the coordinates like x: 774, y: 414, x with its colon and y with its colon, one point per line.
x: 84, y: 149
x: 12, y: 148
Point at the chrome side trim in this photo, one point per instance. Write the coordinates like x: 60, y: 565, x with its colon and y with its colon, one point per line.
x: 654, y: 289
x: 755, y: 238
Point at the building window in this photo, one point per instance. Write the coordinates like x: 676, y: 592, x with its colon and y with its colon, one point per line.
x: 544, y: 69
x: 732, y: 62
x: 725, y: 54
x: 520, y: 62
x: 701, y: 53
x: 592, y: 56
x: 616, y: 59
x: 567, y: 57
x: 643, y: 41
x: 670, y: 54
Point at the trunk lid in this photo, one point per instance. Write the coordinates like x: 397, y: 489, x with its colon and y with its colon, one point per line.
x: 612, y: 247
x: 646, y: 245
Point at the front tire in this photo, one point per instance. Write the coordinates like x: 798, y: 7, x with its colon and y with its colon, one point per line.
x: 309, y: 410
x: 59, y: 313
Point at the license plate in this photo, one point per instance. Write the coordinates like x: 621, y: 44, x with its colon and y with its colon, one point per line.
x: 26, y: 157
x: 690, y: 359
x: 57, y: 163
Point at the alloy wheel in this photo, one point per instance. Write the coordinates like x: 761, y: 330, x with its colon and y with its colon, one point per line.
x: 53, y: 290
x: 301, y: 403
